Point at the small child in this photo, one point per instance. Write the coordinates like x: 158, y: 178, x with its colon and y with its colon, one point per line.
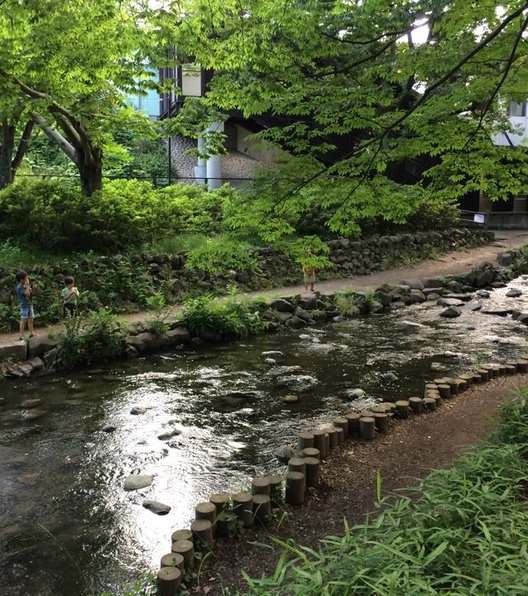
x: 308, y: 271
x: 70, y: 295
x: 25, y: 294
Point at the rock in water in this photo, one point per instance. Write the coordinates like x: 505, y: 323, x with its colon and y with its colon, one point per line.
x: 137, y: 481
x: 156, y: 507
x: 284, y: 453
x: 136, y: 410
x: 451, y: 312
x: 513, y: 293
x: 355, y: 393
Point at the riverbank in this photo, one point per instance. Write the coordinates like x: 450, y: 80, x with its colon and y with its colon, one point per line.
x: 406, y: 455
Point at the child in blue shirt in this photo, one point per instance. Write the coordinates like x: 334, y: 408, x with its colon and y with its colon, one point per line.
x: 24, y: 294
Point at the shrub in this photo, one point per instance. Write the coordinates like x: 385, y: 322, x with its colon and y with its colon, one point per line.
x: 220, y: 254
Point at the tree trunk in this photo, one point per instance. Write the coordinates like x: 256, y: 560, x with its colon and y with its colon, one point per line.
x: 7, y: 147
x: 91, y: 172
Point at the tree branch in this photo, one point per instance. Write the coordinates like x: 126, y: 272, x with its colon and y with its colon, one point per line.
x: 23, y: 145
x: 57, y: 138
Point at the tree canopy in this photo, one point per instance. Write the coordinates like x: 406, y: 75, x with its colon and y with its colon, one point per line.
x: 357, y: 90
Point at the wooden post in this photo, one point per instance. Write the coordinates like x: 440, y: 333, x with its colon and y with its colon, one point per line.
x: 367, y: 428
x: 262, y: 507
x: 522, y: 365
x: 467, y: 378
x: 202, y: 530
x: 312, y: 472
x: 295, y: 488
x: 169, y: 580
x: 243, y: 508
x: 220, y: 501
x: 172, y: 560
x: 306, y: 439
x: 445, y: 391
x: 297, y: 464
x: 331, y: 431
x: 502, y: 369
x: 476, y: 378
x: 389, y: 406
x: 430, y: 387
x: 462, y: 384
x: 353, y: 423
x: 430, y: 403
x: 416, y: 404
x: 181, y: 535
x: 511, y: 369
x: 453, y: 385
x: 206, y: 511
x: 381, y: 422
x: 340, y: 435
x: 186, y: 549
x: 275, y: 481
x: 402, y: 408
x: 320, y: 442
x: 484, y: 373
x: 311, y: 452
x: 260, y: 486
x: 342, y: 423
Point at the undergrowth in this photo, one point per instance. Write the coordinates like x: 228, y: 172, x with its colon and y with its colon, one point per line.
x: 466, y: 534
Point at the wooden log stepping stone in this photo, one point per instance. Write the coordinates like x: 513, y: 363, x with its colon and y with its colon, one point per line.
x: 453, y: 385
x: 445, y: 391
x: 522, y: 365
x: 261, y: 485
x: 402, y: 408
x: 202, y: 530
x: 484, y: 374
x: 382, y: 422
x: 332, y: 437
x: 416, y: 404
x: 462, y: 384
x: 169, y: 580
x: 320, y: 439
x: 312, y: 472
x: 243, y: 508
x: 510, y: 369
x: 311, y: 452
x: 181, y: 535
x: 220, y: 501
x: 276, y: 481
x: 367, y: 428
x: 262, y: 508
x: 172, y: 560
x: 341, y: 423
x: 295, y: 488
x: 340, y: 435
x: 467, y: 378
x: 477, y: 378
x: 353, y: 423
x: 206, y: 511
x: 306, y: 439
x: 185, y: 548
x: 297, y: 464
x: 430, y: 403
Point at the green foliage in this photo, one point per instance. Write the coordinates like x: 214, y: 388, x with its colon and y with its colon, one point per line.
x: 466, y: 534
x: 222, y: 253
x: 346, y: 304
x: 231, y: 317
x: 84, y: 341
x: 53, y: 215
x: 157, y: 303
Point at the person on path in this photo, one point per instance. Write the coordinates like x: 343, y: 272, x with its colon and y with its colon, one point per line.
x: 308, y: 271
x: 25, y: 295
x: 70, y: 296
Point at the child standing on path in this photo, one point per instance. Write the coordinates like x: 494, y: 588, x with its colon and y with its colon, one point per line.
x: 70, y: 295
x: 25, y: 294
x: 308, y: 271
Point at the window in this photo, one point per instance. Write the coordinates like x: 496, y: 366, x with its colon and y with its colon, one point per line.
x: 517, y: 109
x: 191, y: 81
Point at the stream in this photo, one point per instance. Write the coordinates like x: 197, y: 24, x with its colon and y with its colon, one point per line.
x: 67, y: 526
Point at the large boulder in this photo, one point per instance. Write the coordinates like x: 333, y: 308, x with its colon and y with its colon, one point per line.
x: 282, y: 305
x: 38, y: 346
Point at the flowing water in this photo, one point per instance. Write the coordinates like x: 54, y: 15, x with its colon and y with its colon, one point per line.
x: 67, y: 526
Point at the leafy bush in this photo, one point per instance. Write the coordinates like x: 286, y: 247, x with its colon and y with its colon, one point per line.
x: 231, y: 317
x: 99, y: 337
x: 222, y: 253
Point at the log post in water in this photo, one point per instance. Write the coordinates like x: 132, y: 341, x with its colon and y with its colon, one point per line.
x: 186, y: 549
x: 492, y: 369
x: 353, y: 423
x: 181, y: 535
x: 202, y: 530
x: 295, y: 488
x: 416, y: 404
x: 522, y: 365
x: 297, y: 464
x: 340, y: 433
x: 445, y: 391
x: 453, y: 385
x: 402, y: 408
x: 261, y: 485
x: 172, y: 560
x: 382, y: 422
x: 367, y: 428
x: 220, y: 501
x: 262, y: 508
x: 331, y: 431
x: 342, y: 423
x: 467, y: 378
x: 476, y: 378
x: 243, y: 508
x: 502, y: 369
x: 462, y: 384
x: 169, y: 580
x: 484, y: 374
x: 312, y: 472
x: 320, y: 442
x: 276, y: 481
x: 510, y: 369
x: 430, y: 403
x: 311, y: 452
x: 430, y: 387
x: 206, y: 511
x: 389, y: 406
x: 306, y: 439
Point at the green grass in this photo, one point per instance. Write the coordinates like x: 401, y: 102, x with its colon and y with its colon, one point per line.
x: 467, y: 534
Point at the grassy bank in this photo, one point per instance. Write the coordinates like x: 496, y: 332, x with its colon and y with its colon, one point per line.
x: 467, y: 533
